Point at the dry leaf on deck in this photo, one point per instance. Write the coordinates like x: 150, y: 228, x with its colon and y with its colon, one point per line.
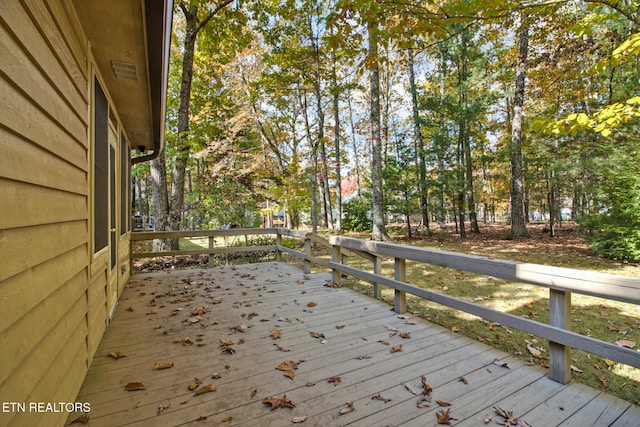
x: 162, y: 408
x: 289, y: 374
x: 426, y: 388
x: 497, y: 362
x: 281, y: 348
x: 444, y: 417
x: 287, y: 365
x: 117, y: 355
x: 423, y: 401
x: 134, y: 386
x: 311, y: 304
x: 454, y: 329
x: 254, y: 392
x: 194, y: 319
x: 316, y: 335
x: 383, y: 342
x: 380, y: 397
x: 405, y: 335
x: 194, y: 384
x: 198, y: 311
x: 335, y: 380
x: 396, y: 348
x: 216, y: 376
x: 339, y: 326
x: 298, y: 420
x: 348, y: 409
x: 443, y: 403
x: 227, y: 420
x: 240, y: 328
x: 275, y: 403
x: 463, y: 380
x: 205, y: 389
x: 226, y: 343
x: 276, y: 334
x: 534, y: 351
x: 158, y: 366
x: 251, y: 315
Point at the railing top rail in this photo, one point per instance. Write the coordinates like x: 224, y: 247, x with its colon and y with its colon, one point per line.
x: 602, y: 285
x: 150, y: 235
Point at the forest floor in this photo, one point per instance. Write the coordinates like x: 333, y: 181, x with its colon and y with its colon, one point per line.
x: 610, y: 321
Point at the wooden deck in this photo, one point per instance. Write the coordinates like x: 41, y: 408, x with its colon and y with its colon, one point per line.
x: 158, y: 321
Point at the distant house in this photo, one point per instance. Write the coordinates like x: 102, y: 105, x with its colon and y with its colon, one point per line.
x: 82, y: 86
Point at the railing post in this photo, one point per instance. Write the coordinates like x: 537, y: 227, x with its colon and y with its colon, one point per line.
x: 336, y: 256
x: 212, y: 244
x: 559, y: 355
x: 377, y: 291
x: 307, y: 254
x: 278, y: 244
x: 400, y: 298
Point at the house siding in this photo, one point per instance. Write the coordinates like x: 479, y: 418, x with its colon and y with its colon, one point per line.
x: 53, y: 302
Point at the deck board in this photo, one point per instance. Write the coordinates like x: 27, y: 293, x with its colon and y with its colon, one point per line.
x: 152, y: 323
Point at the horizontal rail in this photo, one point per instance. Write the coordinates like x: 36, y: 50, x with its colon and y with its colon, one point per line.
x: 601, y: 285
x: 152, y: 235
x: 558, y: 335
x: 206, y: 251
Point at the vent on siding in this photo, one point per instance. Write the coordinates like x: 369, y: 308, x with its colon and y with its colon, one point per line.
x: 125, y: 70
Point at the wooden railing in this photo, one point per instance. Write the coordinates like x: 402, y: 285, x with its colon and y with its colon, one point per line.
x: 561, y: 282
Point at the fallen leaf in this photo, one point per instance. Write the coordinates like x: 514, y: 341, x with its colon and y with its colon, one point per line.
x: 426, y: 388
x: 311, y: 304
x: 254, y: 392
x: 501, y: 364
x: 159, y: 366
x: 443, y: 403
x: 405, y: 335
x: 396, y: 348
x: 187, y: 342
x: 276, y: 334
x: 228, y: 350
x: 298, y: 420
x: 510, y: 418
x: 488, y: 419
x: 463, y: 380
x: 134, y: 386
x: 117, y: 355
x: 287, y: 365
x: 383, y: 342
x: 162, y: 408
x: 626, y: 343
x: 194, y: 319
x: 281, y: 348
x: 380, y: 397
x: 216, y: 376
x: 205, y: 389
x: 576, y: 369
x: 609, y: 362
x: 335, y: 380
x: 198, y: 311
x: 534, y: 351
x: 455, y: 329
x: 240, y: 328
x: 601, y: 377
x: 251, y: 316
x: 225, y: 343
x: 316, y: 335
x: 289, y: 374
x: 275, y: 403
x: 227, y: 420
x: 411, y: 389
x: 444, y: 417
x: 348, y: 409
x: 194, y: 384
x: 423, y: 401
x: 339, y: 326
x: 362, y: 357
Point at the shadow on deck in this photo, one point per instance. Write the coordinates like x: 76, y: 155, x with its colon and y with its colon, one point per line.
x: 184, y: 318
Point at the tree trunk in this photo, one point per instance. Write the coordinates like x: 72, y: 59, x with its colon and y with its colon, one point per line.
x: 336, y: 139
x: 160, y: 201
x: 379, y: 230
x: 419, y: 144
x: 314, y: 161
x: 518, y: 224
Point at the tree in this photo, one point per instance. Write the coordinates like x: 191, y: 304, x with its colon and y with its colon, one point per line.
x: 518, y: 220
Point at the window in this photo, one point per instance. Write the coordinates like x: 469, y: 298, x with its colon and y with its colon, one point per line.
x: 101, y: 169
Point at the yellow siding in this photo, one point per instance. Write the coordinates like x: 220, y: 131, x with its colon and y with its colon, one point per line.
x: 53, y: 304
